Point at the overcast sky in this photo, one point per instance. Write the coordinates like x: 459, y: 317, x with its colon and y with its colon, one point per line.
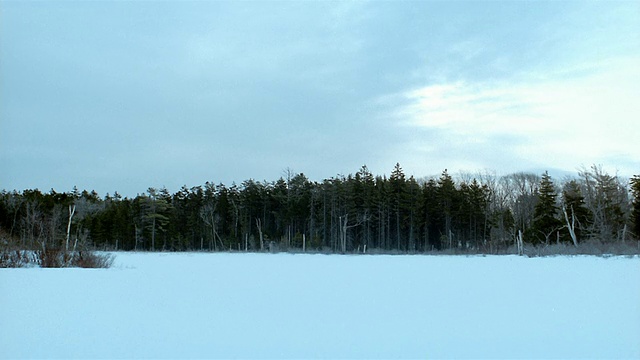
x: 124, y: 95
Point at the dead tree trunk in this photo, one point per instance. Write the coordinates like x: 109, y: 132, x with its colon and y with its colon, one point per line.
x: 571, y: 225
x: 520, y: 243
x: 259, y: 226
x: 72, y: 211
x: 343, y: 233
x: 67, y: 257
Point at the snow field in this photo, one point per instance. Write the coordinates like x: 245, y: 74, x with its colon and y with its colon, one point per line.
x: 200, y: 305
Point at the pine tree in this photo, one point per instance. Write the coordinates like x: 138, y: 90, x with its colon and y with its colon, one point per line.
x: 399, y: 189
x: 154, y: 209
x: 413, y: 204
x: 472, y: 211
x: 430, y: 216
x: 635, y: 212
x: 545, y: 221
x: 363, y: 196
x: 447, y: 196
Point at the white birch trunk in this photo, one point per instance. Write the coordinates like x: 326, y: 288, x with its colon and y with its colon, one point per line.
x: 520, y: 243
x: 571, y: 225
x: 72, y: 211
x: 67, y: 257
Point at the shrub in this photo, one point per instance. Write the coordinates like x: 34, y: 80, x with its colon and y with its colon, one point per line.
x: 50, y: 258
x: 15, y: 258
x: 90, y: 259
x: 589, y: 247
x: 56, y: 258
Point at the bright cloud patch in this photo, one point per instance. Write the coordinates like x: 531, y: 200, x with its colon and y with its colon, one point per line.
x: 563, y: 121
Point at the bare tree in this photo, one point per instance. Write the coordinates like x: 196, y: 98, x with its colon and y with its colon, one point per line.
x: 72, y: 211
x: 521, y: 191
x: 607, y: 199
x: 344, y: 228
x: 571, y: 225
x: 210, y: 218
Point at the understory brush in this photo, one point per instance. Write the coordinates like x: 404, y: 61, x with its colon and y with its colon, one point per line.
x: 58, y: 258
x: 13, y: 256
x: 590, y: 247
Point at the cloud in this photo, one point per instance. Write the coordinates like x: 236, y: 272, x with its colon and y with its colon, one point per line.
x: 580, y: 116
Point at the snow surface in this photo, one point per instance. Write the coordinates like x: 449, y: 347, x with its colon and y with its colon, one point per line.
x: 198, y: 305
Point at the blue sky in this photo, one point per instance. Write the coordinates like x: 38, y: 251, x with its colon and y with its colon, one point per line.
x: 123, y: 95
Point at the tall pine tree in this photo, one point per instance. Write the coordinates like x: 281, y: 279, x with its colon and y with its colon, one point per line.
x: 398, y: 187
x: 447, y: 196
x: 635, y: 212
x: 545, y: 217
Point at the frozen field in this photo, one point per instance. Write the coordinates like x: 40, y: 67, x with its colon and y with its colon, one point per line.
x: 193, y: 305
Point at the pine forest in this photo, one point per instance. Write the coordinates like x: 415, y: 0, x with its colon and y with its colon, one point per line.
x: 361, y: 213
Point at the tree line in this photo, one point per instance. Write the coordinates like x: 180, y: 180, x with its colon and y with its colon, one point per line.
x: 355, y: 213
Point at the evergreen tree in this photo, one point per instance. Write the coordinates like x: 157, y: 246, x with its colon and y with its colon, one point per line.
x: 155, y: 209
x: 399, y: 192
x: 365, y: 203
x: 447, y: 196
x: 413, y: 203
x: 635, y: 211
x: 473, y: 212
x: 383, y: 211
x: 545, y: 221
x: 430, y: 216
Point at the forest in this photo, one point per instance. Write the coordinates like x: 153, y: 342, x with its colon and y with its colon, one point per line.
x: 471, y: 213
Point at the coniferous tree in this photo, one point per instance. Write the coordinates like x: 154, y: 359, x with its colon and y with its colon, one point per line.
x: 383, y: 213
x: 635, y: 212
x: 399, y: 193
x: 365, y: 204
x: 472, y: 212
x: 412, y: 218
x: 154, y: 214
x: 429, y: 216
x: 545, y: 222
x: 447, y: 196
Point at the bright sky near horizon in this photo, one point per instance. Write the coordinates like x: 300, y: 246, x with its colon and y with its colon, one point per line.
x: 124, y: 95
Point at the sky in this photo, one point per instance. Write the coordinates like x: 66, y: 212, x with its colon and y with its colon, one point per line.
x: 127, y: 95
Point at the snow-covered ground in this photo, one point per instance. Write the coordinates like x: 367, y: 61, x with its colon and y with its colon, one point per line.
x: 194, y: 305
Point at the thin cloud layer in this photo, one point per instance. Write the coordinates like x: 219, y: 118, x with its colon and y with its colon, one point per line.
x: 562, y: 120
